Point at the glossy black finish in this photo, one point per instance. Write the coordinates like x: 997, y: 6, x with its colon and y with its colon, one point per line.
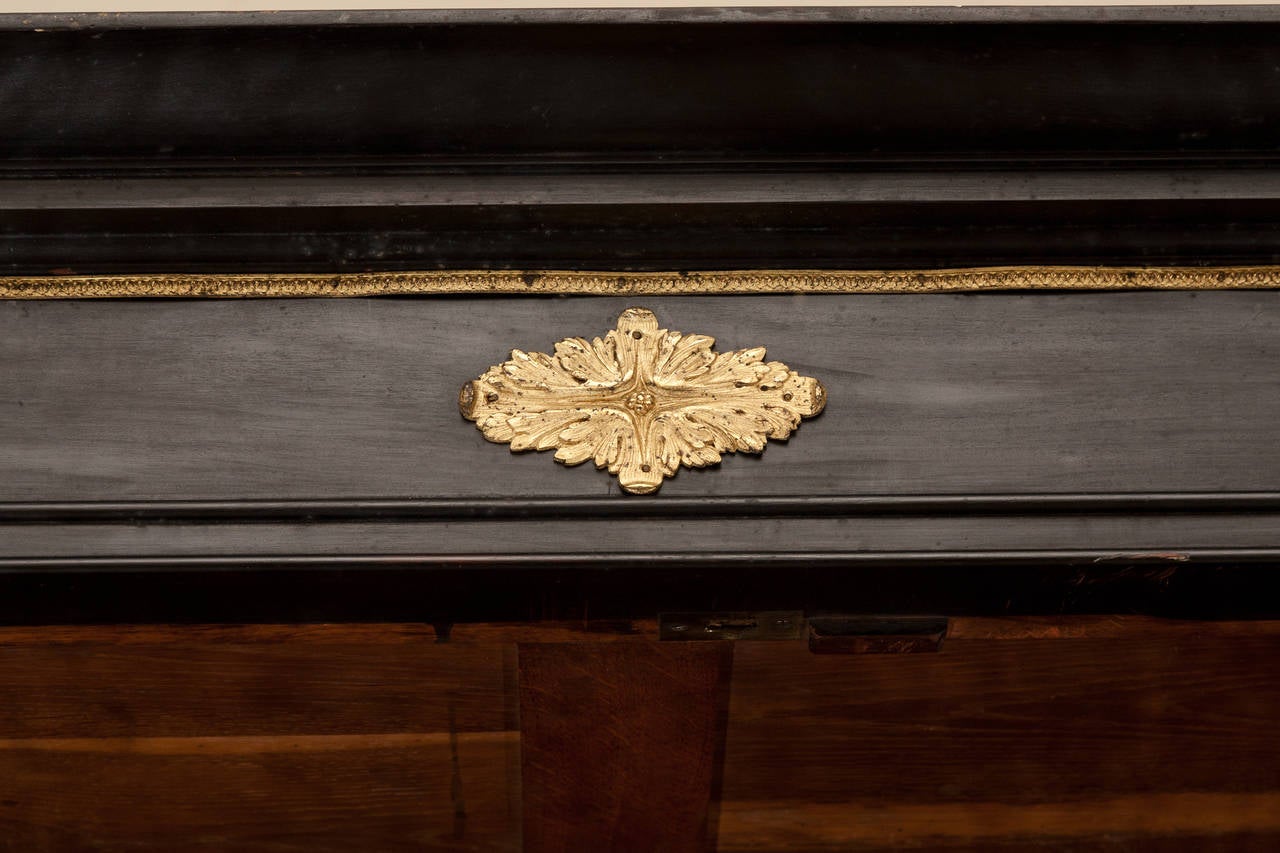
x: 199, y: 461
x: 724, y: 506
x: 928, y: 395
x: 698, y: 236
x: 503, y: 593
x: 793, y: 138
x: 650, y: 93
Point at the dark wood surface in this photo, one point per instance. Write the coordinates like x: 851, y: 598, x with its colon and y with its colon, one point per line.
x: 96, y: 21
x: 455, y: 593
x: 982, y: 401
x: 1084, y: 734
x: 929, y: 395
x: 257, y: 739
x: 692, y: 91
x: 1047, y: 454
x: 934, y: 227
x: 1132, y: 741
x: 1045, y: 432
x: 621, y: 745
x: 644, y: 139
x: 1172, y: 538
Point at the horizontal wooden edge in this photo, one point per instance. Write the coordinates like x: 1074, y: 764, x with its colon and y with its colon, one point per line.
x: 612, y: 561
x: 335, y: 633
x: 689, y: 13
x: 595, y: 508
x: 962, y: 628
x: 879, y: 825
x: 205, y: 745
x: 606, y: 283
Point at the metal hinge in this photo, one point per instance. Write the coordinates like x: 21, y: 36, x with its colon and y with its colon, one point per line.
x: 760, y: 625
x: 826, y: 634
x: 876, y: 635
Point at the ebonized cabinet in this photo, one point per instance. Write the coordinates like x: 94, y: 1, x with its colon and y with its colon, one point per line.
x: 263, y: 588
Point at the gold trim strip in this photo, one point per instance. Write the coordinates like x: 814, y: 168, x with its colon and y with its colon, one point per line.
x: 600, y: 283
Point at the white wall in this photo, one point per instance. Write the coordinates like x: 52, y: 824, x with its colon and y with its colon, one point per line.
x: 283, y: 5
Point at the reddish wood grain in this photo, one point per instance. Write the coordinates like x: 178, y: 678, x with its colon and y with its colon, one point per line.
x: 316, y: 793
x: 879, y: 824
x: 621, y: 745
x: 373, y: 634
x: 1097, y: 627
x: 563, y: 631
x: 195, y: 688
x: 341, y: 633
x: 256, y: 738
x: 1046, y: 741
x: 1088, y: 733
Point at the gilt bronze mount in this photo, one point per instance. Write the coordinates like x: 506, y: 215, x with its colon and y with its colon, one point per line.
x: 640, y: 401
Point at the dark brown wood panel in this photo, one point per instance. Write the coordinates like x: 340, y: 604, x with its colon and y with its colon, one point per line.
x: 1101, y: 733
x: 187, y: 689
x: 1074, y: 742
x: 1110, y: 626
x: 621, y: 745
x: 394, y: 792
x: 368, y: 636
x: 271, y: 738
x: 1172, y: 824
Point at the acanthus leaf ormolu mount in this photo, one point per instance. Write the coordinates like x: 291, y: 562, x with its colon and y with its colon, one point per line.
x: 641, y: 401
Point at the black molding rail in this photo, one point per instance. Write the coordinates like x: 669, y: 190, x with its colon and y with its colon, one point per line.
x: 615, y: 507
x: 782, y: 138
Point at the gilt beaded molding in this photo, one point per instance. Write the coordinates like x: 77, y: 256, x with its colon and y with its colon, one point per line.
x: 601, y: 283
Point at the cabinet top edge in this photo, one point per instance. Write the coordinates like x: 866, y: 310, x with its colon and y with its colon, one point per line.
x: 706, y: 14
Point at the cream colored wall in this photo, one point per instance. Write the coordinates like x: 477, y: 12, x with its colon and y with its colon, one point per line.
x: 289, y: 5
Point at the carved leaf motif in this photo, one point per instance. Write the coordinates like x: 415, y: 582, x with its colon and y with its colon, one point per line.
x: 641, y: 401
